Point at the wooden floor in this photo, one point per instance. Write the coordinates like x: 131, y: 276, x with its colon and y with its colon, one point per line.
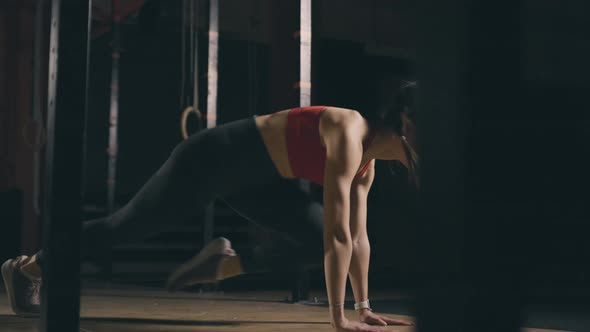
x: 147, y: 310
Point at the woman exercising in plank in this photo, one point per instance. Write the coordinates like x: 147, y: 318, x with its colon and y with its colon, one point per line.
x: 330, y: 146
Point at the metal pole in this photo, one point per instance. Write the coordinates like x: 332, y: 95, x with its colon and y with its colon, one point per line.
x: 67, y: 95
x: 300, y: 293
x: 305, y: 53
x: 304, y: 83
x: 114, y: 112
x: 195, y: 48
x: 212, y: 67
x: 209, y: 221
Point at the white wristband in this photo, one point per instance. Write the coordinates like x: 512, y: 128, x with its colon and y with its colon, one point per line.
x: 362, y: 305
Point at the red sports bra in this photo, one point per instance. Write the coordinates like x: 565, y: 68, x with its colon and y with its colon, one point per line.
x: 307, y: 155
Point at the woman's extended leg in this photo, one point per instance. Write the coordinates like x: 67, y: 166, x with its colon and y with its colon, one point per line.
x: 281, y: 206
x: 210, y: 163
x: 168, y: 197
x: 285, y: 208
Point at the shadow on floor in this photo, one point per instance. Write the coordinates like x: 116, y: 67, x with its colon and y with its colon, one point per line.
x: 187, y: 322
x: 171, y: 322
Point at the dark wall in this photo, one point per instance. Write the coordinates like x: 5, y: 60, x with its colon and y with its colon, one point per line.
x: 17, y: 126
x: 150, y: 108
x: 556, y: 49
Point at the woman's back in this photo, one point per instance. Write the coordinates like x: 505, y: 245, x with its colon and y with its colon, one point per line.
x: 294, y: 141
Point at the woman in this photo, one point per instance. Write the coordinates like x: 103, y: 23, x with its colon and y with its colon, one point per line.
x: 331, y: 146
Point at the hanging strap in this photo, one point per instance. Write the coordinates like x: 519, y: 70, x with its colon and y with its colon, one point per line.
x: 194, y: 66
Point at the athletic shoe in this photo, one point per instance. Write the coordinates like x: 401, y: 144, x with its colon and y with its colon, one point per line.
x: 203, y: 267
x: 23, y: 292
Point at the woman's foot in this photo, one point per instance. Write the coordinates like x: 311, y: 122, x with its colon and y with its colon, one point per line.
x: 22, y: 289
x: 215, y: 262
x: 31, y: 268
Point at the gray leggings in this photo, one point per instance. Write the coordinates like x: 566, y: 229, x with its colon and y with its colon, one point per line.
x: 229, y: 162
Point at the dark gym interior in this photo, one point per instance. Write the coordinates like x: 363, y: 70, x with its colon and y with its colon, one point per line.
x: 495, y: 240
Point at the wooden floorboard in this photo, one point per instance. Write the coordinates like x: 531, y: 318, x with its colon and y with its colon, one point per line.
x: 150, y: 310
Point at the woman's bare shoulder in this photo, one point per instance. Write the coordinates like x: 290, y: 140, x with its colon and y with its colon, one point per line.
x: 341, y: 117
x: 340, y: 122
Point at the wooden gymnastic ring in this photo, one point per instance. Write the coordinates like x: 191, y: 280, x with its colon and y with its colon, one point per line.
x: 183, y: 119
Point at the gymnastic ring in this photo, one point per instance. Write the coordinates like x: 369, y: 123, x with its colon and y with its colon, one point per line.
x: 184, y: 118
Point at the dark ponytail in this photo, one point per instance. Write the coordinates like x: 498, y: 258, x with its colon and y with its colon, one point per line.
x: 413, y: 165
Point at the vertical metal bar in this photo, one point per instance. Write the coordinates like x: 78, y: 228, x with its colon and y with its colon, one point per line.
x: 304, y: 84
x: 209, y: 218
x: 195, y: 23
x: 191, y: 38
x: 67, y: 95
x: 305, y: 53
x: 182, y: 104
x: 212, y: 68
x: 114, y: 110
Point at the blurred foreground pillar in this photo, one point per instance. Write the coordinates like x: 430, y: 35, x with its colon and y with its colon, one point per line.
x: 471, y: 225
x: 68, y: 62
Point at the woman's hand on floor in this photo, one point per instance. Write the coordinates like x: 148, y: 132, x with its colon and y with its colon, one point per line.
x: 371, y: 318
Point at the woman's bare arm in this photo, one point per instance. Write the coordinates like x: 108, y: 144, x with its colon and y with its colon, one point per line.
x: 361, y: 249
x: 343, y: 155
